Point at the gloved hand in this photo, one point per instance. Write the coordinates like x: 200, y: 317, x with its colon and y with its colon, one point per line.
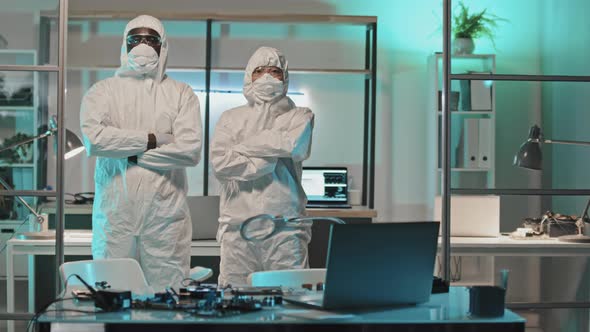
x: 163, y: 139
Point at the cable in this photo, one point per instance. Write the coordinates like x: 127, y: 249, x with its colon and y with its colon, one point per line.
x: 33, y: 320
x: 43, y: 310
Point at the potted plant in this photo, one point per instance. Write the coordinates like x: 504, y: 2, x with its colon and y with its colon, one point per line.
x: 469, y: 26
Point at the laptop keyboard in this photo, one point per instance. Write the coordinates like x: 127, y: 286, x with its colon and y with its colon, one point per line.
x: 328, y: 206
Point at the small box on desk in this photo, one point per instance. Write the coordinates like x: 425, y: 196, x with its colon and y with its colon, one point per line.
x: 559, y: 228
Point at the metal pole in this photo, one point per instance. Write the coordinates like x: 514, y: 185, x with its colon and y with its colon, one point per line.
x: 207, y: 106
x: 554, y: 141
x: 59, y: 183
x: 446, y: 146
x: 373, y: 112
x: 366, y: 116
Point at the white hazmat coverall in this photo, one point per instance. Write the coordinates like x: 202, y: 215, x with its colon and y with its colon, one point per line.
x: 256, y: 153
x: 140, y: 210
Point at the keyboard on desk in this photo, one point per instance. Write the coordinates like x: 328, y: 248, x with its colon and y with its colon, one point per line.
x: 328, y: 206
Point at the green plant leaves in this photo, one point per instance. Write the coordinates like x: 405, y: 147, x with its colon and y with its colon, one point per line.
x: 476, y: 25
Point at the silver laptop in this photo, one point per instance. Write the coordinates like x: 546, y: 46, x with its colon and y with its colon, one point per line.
x: 204, y: 212
x: 377, y: 265
x: 326, y: 187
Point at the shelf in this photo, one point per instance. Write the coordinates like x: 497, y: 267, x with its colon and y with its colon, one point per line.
x: 457, y: 169
x: 469, y: 112
x: 222, y: 18
x: 468, y: 56
x: 16, y: 108
x: 302, y: 71
x: 115, y: 67
x: 17, y: 165
x: 522, y: 192
x: 521, y: 78
x: 471, y: 283
x: 237, y: 70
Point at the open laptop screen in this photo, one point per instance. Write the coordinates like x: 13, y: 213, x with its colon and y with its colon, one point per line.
x: 325, y: 185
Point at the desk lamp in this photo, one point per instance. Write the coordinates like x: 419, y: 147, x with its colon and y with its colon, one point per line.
x: 73, y: 146
x: 530, y: 156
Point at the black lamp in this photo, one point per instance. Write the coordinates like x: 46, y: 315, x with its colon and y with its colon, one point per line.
x: 530, y: 156
x: 73, y: 146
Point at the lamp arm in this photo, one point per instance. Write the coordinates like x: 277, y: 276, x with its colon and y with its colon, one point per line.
x: 554, y: 141
x: 585, y: 213
x: 45, y: 134
x: 23, y: 202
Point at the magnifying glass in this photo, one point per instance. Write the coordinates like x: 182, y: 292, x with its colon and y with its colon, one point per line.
x: 263, y: 226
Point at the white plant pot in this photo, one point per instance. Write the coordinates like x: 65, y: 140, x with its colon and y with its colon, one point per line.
x: 463, y: 46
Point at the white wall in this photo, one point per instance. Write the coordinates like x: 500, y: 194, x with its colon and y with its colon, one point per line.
x: 407, y: 35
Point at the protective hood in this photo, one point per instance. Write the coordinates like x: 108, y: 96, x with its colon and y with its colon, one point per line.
x: 126, y: 69
x: 265, y: 56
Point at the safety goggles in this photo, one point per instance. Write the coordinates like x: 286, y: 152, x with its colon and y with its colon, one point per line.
x: 271, y: 70
x: 150, y: 40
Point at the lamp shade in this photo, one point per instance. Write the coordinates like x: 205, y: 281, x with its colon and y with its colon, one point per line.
x: 73, y: 144
x: 529, y: 155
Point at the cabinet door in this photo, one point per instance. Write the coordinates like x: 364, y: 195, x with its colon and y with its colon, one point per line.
x: 7, y: 230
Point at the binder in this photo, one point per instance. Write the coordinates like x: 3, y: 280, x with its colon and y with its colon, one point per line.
x: 465, y: 95
x: 470, y: 143
x: 481, y: 94
x: 485, y: 144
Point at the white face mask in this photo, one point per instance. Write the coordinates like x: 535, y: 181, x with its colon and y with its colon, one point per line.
x: 143, y: 59
x: 267, y: 88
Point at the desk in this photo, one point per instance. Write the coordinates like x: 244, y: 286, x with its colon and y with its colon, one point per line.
x: 354, y: 212
x: 444, y: 312
x: 463, y: 246
x: 75, y: 243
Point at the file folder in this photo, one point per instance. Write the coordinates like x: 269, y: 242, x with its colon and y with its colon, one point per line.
x: 470, y: 143
x: 481, y: 94
x: 485, y: 144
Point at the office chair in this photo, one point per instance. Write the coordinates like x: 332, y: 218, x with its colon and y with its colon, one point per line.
x: 287, y: 278
x: 120, y: 273
x: 199, y: 273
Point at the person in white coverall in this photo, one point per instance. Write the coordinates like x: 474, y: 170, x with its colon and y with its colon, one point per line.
x: 145, y: 129
x: 256, y: 153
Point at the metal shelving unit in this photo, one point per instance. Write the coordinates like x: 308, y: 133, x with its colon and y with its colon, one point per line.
x: 368, y: 73
x: 58, y: 193
x: 447, y: 190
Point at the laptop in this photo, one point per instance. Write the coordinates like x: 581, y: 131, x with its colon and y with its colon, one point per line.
x: 376, y: 265
x: 204, y: 211
x: 326, y: 187
x: 477, y: 216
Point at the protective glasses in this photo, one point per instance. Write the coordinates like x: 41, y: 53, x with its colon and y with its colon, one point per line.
x: 271, y: 70
x: 150, y: 40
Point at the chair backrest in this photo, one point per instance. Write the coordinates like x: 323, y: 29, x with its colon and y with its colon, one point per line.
x: 199, y: 273
x: 287, y: 278
x: 120, y: 273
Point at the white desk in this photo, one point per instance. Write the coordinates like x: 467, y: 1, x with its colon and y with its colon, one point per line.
x: 444, y: 312
x: 463, y: 246
x: 73, y: 245
x: 505, y: 246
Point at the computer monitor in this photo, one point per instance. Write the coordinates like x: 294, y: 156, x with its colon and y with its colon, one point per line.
x: 325, y: 186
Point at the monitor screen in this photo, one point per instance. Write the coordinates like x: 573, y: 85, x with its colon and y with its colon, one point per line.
x: 329, y: 184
